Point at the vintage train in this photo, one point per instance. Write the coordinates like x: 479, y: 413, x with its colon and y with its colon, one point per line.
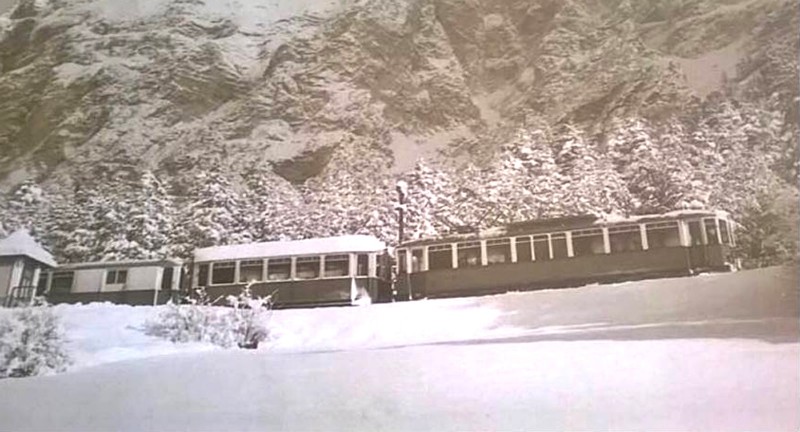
x: 333, y: 271
x: 547, y: 253
x: 566, y: 251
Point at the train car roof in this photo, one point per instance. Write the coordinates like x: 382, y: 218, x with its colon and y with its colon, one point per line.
x: 566, y: 223
x: 314, y: 246
x: 120, y: 264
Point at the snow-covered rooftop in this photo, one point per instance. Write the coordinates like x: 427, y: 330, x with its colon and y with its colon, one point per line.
x: 316, y: 246
x: 20, y: 243
x: 676, y: 214
x: 566, y: 223
x: 125, y: 263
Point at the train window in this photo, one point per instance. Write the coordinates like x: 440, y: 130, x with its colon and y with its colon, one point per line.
x: 711, y: 231
x: 222, y: 272
x: 362, y: 265
x: 469, y: 254
x: 559, y: 242
x: 401, y: 261
x: 250, y: 271
x: 307, y: 267
x: 116, y: 277
x: 498, y: 251
x: 723, y: 230
x: 541, y: 248
x: 279, y: 269
x: 662, y: 234
x: 416, y: 260
x: 202, y: 275
x: 62, y: 282
x: 695, y: 233
x: 523, y: 245
x: 337, y: 265
x: 588, y: 242
x: 440, y: 257
x: 625, y: 238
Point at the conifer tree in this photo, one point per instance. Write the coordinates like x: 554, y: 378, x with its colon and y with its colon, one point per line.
x: 215, y: 213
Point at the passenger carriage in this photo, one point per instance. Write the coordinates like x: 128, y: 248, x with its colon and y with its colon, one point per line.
x: 132, y: 282
x: 324, y: 271
x: 565, y: 251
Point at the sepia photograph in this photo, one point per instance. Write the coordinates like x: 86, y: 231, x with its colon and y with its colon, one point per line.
x: 399, y: 215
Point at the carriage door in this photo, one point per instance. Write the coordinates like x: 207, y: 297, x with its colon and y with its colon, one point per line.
x: 697, y: 249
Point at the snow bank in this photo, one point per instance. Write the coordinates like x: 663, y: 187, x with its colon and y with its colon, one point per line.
x: 592, y: 385
x: 101, y: 333
x: 385, y: 325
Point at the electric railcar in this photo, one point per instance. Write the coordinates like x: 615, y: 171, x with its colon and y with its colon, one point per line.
x: 563, y: 252
x: 323, y: 271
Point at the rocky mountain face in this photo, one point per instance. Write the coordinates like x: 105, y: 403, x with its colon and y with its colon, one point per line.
x: 221, y: 121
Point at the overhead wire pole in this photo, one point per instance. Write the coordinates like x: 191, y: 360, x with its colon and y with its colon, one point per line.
x: 402, y: 191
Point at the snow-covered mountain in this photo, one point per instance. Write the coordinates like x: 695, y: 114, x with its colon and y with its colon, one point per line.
x: 295, y: 117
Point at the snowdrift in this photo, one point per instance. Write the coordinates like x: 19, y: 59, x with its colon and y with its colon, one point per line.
x: 713, y: 352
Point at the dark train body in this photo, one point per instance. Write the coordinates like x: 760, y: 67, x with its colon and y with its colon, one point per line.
x: 565, y: 252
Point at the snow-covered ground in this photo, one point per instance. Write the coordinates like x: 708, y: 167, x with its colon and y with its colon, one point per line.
x: 713, y: 352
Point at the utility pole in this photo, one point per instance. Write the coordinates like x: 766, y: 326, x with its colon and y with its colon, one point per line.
x: 402, y: 191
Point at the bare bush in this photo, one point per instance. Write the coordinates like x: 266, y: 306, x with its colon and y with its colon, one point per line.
x: 242, y: 324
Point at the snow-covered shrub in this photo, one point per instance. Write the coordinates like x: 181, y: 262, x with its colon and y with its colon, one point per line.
x: 241, y: 324
x: 31, y: 343
x: 246, y: 318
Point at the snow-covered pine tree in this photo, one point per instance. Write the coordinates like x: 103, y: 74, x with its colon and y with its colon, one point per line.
x: 592, y: 185
x: 768, y: 233
x: 215, y: 213
x: 151, y: 218
x: 429, y: 202
x: 353, y: 192
x: 651, y: 170
x: 540, y: 192
x: 275, y: 203
x: 68, y: 226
